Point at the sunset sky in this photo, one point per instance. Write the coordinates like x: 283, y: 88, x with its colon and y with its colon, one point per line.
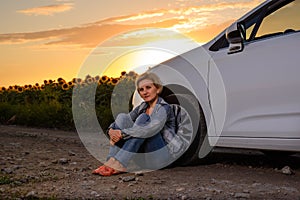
x: 48, y: 39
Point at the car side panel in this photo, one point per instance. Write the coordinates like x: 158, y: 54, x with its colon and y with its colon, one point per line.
x: 262, y: 87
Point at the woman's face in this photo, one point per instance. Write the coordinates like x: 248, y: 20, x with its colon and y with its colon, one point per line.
x: 147, y: 90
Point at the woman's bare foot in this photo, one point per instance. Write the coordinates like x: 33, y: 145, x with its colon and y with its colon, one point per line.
x: 115, y: 164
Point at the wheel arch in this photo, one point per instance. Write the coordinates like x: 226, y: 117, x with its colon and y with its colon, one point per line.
x: 203, y: 101
x: 200, y: 142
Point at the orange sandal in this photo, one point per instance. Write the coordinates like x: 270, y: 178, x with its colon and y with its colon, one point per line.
x: 98, y: 170
x: 106, y: 171
x: 109, y: 172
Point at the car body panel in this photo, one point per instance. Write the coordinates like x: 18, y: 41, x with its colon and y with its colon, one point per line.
x: 262, y: 91
x: 182, y: 69
x: 263, y: 94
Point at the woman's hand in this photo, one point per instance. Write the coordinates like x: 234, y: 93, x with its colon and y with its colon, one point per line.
x: 115, y: 136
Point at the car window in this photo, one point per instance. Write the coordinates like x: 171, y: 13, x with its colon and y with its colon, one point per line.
x: 283, y: 20
x: 273, y: 19
x: 252, y: 23
x: 249, y: 30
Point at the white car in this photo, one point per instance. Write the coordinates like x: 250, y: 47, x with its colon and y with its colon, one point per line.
x: 246, y: 82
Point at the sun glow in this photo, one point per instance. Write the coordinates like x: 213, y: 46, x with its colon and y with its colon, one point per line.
x: 136, y: 51
x: 153, y: 53
x: 138, y: 60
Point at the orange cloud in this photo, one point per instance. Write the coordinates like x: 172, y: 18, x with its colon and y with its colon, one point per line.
x: 198, y: 22
x: 215, y: 7
x: 140, y: 16
x: 133, y: 17
x: 191, y: 17
x: 19, y: 38
x: 47, y: 10
x: 85, y: 36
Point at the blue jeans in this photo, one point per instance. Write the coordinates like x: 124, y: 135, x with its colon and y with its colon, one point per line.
x: 125, y: 149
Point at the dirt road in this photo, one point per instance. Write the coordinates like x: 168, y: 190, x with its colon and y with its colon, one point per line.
x: 52, y: 164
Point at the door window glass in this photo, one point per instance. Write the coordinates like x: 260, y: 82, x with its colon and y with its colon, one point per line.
x: 283, y: 20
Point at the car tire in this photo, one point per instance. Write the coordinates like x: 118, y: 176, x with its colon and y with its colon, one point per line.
x: 198, y: 140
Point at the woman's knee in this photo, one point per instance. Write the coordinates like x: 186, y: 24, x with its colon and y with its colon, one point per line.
x: 123, y: 120
x: 142, y: 119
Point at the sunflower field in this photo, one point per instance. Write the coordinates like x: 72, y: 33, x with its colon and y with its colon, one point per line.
x: 49, y: 105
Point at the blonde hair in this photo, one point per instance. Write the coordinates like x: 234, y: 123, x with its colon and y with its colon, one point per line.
x: 149, y: 76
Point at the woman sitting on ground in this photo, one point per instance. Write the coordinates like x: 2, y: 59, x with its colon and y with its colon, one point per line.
x: 145, y: 129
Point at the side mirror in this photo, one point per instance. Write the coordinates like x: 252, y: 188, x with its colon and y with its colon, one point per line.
x: 235, y: 35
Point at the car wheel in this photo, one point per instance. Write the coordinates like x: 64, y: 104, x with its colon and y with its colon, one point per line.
x: 193, y: 129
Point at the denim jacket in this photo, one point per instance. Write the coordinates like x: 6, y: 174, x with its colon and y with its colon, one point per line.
x: 162, y: 120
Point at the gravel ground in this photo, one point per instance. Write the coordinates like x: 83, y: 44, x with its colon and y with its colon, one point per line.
x: 53, y: 164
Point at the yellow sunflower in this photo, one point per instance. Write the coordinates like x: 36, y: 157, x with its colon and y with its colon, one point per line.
x: 65, y: 86
x: 131, y: 74
x: 89, y: 80
x: 88, y: 76
x: 76, y: 80
x: 20, y: 89
x: 114, y: 81
x: 97, y: 78
x: 61, y: 81
x: 104, y: 79
x: 123, y: 73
